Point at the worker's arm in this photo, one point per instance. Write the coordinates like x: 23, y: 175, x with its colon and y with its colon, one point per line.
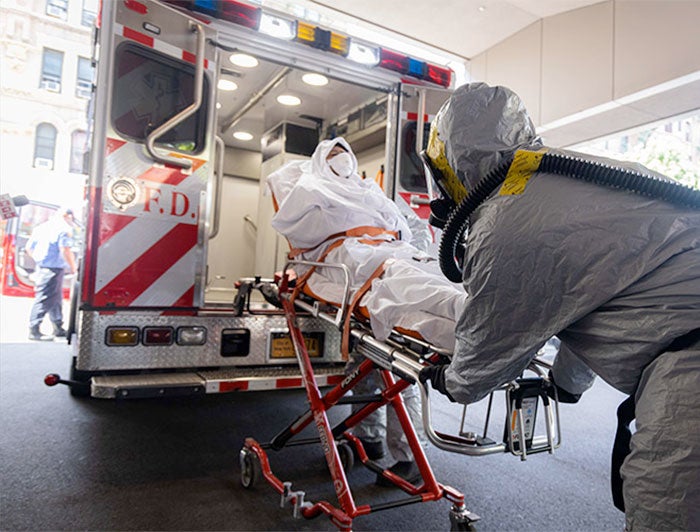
x: 69, y: 258
x: 65, y: 241
x: 528, y: 276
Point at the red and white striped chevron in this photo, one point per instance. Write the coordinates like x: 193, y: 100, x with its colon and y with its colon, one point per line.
x: 148, y: 255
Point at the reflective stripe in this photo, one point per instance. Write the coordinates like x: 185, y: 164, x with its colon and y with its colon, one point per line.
x: 271, y: 384
x: 157, y: 44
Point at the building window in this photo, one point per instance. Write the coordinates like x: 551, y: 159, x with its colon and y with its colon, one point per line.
x: 44, y: 146
x: 57, y: 8
x: 51, y: 68
x: 78, y: 152
x: 83, y: 86
x: 89, y: 12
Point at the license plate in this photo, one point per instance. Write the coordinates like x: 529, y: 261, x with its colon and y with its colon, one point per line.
x: 281, y: 344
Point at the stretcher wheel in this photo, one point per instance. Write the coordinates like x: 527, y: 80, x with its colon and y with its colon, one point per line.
x: 462, y: 527
x: 458, y: 524
x: 347, y: 457
x: 250, y: 468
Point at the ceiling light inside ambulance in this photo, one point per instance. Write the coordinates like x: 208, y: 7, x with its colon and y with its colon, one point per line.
x: 361, y: 53
x: 227, y: 85
x: 243, y: 60
x: 218, y: 105
x: 280, y: 28
x: 317, y: 80
x: 242, y: 135
x: 288, y: 99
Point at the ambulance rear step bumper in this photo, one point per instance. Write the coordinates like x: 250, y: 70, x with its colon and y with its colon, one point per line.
x: 207, y: 382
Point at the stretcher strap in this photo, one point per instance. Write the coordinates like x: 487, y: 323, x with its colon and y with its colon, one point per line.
x: 363, y: 230
x: 302, y: 280
x: 345, y: 350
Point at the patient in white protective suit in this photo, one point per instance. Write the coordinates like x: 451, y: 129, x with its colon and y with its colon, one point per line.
x: 329, y: 213
x: 324, y: 201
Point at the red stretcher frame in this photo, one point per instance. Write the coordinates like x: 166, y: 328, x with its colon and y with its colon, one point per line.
x: 254, y: 460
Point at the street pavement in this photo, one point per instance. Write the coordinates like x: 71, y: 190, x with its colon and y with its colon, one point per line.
x: 77, y: 464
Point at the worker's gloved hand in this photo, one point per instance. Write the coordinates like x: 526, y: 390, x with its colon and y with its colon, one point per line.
x: 562, y: 394
x: 436, y: 375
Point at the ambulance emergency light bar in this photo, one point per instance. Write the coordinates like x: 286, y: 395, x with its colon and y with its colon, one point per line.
x: 329, y: 41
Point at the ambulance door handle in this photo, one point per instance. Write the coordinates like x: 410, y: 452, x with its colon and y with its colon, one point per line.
x: 420, y: 123
x: 420, y: 136
x: 186, y: 112
x: 218, y: 185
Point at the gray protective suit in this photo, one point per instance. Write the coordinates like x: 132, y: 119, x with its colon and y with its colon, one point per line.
x: 615, y: 275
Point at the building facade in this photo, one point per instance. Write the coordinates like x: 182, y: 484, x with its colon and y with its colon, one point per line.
x: 46, y: 77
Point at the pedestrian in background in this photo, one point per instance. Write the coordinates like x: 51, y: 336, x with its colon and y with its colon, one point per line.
x: 50, y: 247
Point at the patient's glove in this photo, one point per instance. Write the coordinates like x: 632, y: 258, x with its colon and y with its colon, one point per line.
x: 436, y: 375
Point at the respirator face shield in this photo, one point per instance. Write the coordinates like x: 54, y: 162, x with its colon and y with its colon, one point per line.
x: 439, y: 171
x: 342, y: 164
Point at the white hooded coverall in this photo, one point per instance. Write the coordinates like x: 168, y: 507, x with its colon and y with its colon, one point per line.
x: 615, y: 275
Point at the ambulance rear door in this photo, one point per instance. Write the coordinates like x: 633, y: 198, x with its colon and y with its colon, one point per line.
x: 153, y: 157
x: 419, y: 105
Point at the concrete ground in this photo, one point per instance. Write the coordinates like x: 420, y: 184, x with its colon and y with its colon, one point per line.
x: 75, y: 464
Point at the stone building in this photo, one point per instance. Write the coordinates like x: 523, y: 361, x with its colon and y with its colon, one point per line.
x: 46, y: 77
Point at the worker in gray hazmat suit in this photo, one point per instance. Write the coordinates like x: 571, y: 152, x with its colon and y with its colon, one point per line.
x: 614, y: 274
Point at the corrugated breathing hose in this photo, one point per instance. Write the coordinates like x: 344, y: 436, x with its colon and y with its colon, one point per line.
x: 564, y: 165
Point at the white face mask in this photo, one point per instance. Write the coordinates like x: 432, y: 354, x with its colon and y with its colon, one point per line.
x: 342, y: 164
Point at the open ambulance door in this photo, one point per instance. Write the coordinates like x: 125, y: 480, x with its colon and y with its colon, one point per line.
x: 419, y: 105
x: 152, y: 159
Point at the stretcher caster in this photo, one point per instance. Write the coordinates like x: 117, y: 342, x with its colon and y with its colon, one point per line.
x: 251, y: 471
x: 347, y: 456
x: 462, y: 520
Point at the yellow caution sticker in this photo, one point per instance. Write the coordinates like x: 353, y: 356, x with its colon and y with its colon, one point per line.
x: 524, y: 165
x: 436, y: 152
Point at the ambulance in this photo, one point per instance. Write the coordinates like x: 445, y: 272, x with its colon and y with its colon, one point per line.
x: 193, y: 105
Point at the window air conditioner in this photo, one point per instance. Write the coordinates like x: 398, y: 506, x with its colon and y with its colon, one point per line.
x: 83, y: 89
x: 56, y: 11
x: 51, y: 85
x: 40, y: 162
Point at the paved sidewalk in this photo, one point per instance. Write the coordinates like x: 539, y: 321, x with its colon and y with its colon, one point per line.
x: 14, y: 319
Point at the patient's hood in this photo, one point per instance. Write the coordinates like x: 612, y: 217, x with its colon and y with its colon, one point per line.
x: 314, y: 204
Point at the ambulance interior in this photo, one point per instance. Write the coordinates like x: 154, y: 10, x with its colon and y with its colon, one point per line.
x: 262, y: 134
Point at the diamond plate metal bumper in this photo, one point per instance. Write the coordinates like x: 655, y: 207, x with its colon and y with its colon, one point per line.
x: 94, y: 355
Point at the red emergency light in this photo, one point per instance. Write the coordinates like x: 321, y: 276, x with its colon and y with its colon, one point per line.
x: 239, y: 13
x: 393, y: 61
x: 439, y: 75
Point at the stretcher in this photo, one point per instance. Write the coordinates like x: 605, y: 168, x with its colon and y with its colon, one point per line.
x: 399, y: 360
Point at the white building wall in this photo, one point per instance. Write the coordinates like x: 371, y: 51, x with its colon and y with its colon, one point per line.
x: 25, y: 30
x: 603, y: 68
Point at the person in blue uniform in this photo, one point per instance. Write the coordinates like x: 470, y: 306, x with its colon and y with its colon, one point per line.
x: 50, y: 247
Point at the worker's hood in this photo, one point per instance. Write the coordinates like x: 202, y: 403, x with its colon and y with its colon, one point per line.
x: 481, y: 126
x: 319, y: 165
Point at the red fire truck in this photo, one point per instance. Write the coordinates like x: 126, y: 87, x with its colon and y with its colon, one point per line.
x: 177, y: 220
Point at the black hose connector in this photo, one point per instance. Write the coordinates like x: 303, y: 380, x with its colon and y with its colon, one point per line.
x: 564, y: 165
